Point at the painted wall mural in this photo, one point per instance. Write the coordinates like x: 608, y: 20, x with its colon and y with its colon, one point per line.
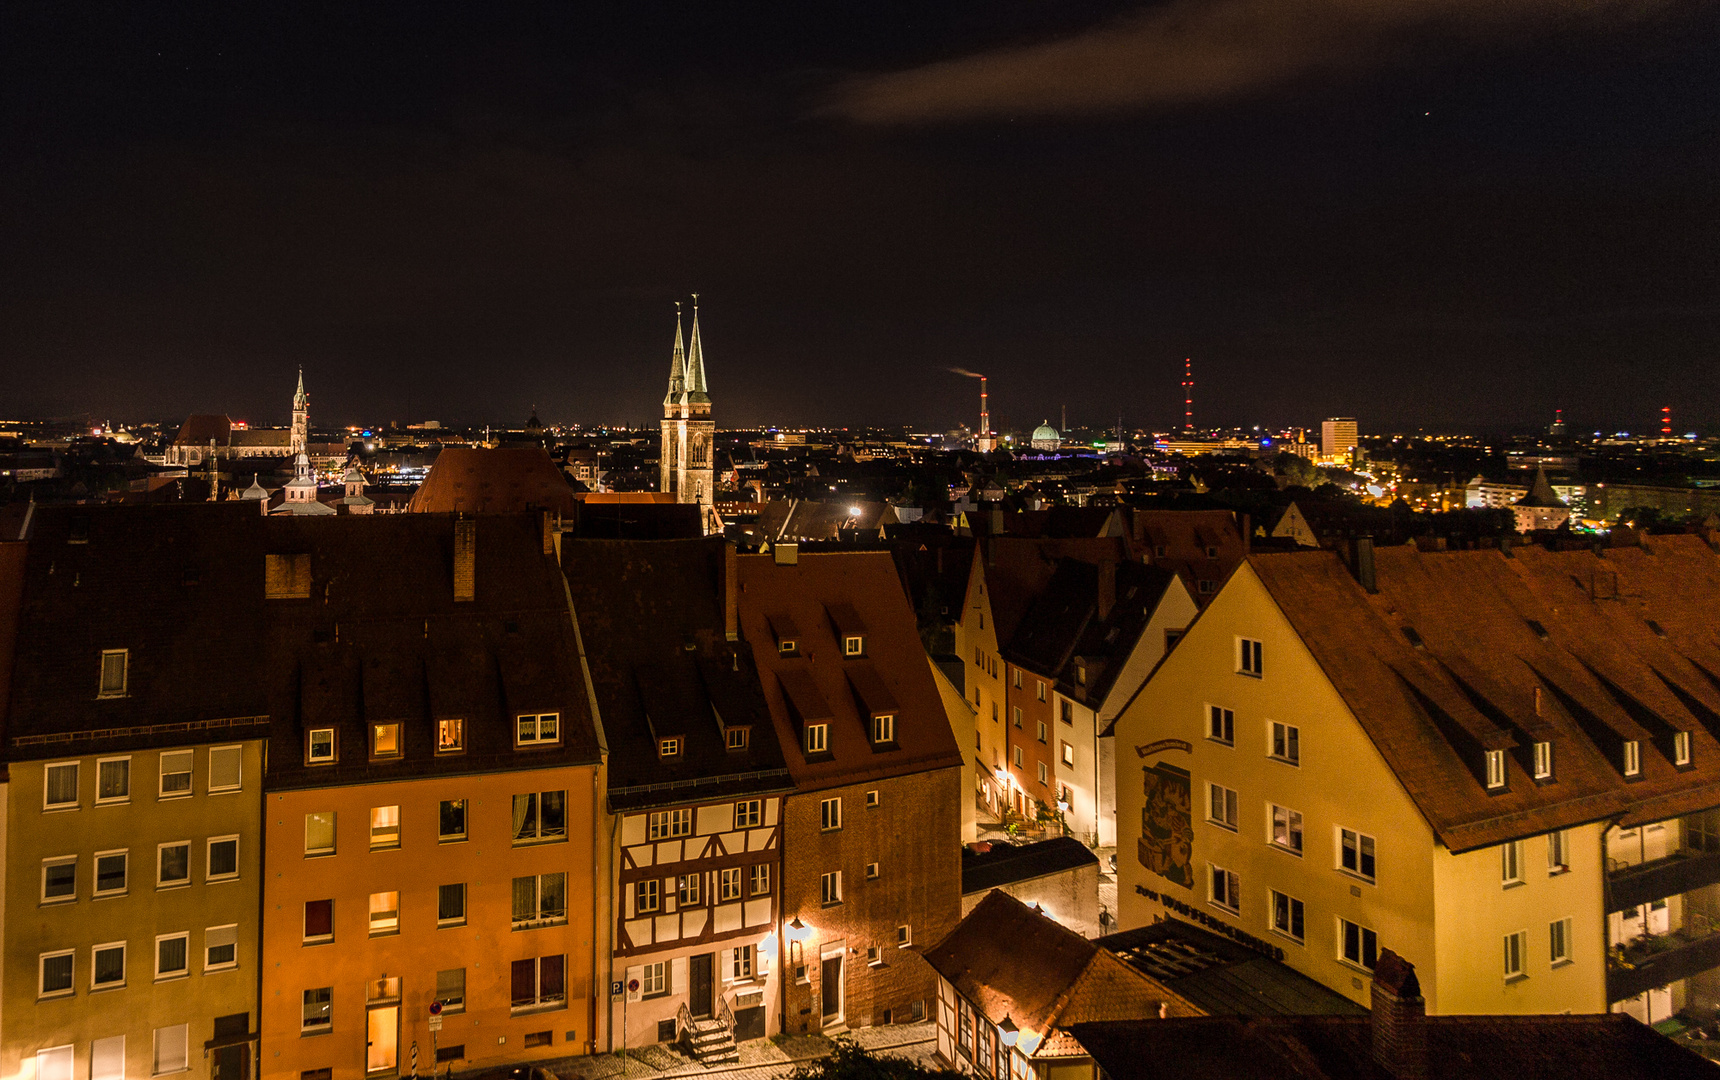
x: 1166, y: 846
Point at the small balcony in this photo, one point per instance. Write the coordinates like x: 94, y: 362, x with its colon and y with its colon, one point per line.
x: 1683, y: 871
x: 1651, y: 961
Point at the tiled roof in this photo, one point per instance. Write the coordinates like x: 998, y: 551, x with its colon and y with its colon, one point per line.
x: 1005, y: 864
x: 199, y: 428
x: 1459, y: 652
x: 1609, y: 1045
x: 1185, y: 537
x: 1017, y: 571
x: 1010, y: 961
x: 817, y: 677
x: 475, y: 480
x: 651, y: 616
x: 1222, y: 977
x: 1063, y: 624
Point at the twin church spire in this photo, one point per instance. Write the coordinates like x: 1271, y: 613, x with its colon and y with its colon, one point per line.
x: 686, y: 463
x: 687, y: 366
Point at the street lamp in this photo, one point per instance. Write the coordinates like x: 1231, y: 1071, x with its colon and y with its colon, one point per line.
x: 1009, y: 1030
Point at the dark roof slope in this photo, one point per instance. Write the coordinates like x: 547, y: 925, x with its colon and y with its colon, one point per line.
x: 382, y: 638
x: 1609, y: 1045
x: 1223, y: 977
x: 651, y: 616
x: 200, y: 428
x: 476, y: 480
x: 1064, y: 623
x: 1006, y: 864
x: 1460, y: 652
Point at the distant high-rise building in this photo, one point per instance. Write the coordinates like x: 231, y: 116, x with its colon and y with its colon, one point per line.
x: 1557, y: 427
x: 1337, y: 436
x: 686, y: 467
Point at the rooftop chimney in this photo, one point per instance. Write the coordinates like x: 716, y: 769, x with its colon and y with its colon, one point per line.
x: 1365, y: 564
x: 731, y: 594
x: 465, y: 559
x: 1399, y: 1018
x: 1107, y: 588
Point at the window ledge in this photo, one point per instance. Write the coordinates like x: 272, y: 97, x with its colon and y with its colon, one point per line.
x: 451, y: 924
x: 57, y: 995
x: 60, y: 808
x: 1558, y: 871
x: 1235, y: 913
x: 539, y: 924
x: 323, y: 854
x: 451, y: 839
x: 308, y: 942
x: 1566, y: 962
x: 1221, y: 825
x: 58, y: 902
x: 1294, y: 763
x: 528, y: 1010
x: 1275, y: 846
x: 222, y: 880
x: 120, y: 895
x: 114, y: 802
x: 219, y: 968
x: 1279, y: 933
x: 1519, y: 977
x: 174, y: 795
x: 1512, y: 884
x: 312, y: 1034
x: 1353, y: 876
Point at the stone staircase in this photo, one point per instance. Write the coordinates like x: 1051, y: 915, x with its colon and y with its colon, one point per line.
x: 712, y: 1042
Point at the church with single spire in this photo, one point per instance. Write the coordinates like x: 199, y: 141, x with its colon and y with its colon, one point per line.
x: 687, y: 461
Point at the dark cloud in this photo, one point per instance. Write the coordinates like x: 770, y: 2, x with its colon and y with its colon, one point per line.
x: 1202, y: 50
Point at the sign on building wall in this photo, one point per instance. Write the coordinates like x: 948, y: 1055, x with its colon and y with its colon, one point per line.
x: 1166, y: 846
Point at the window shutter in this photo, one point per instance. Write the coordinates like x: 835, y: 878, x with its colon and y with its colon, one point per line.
x: 727, y: 960
x: 635, y: 977
x: 677, y: 976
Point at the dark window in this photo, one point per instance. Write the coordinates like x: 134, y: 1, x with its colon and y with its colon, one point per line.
x: 319, y: 919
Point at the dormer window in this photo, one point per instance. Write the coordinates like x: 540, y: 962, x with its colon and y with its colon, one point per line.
x: 319, y: 747
x: 1681, y: 748
x: 788, y: 646
x: 817, y: 739
x: 538, y: 729
x: 1543, y: 761
x: 1633, y: 758
x: 450, y: 736
x: 853, y: 645
x: 883, y: 729
x: 736, y: 738
x: 385, y: 740
x: 670, y: 747
x: 1495, y: 770
x: 113, y: 673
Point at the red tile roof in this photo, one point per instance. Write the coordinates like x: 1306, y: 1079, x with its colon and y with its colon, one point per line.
x: 476, y: 480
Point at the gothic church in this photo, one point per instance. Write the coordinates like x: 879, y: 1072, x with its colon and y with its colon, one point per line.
x: 689, y: 434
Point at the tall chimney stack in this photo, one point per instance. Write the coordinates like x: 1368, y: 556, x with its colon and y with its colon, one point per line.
x: 731, y: 593
x: 1398, y: 1016
x: 1107, y: 588
x: 465, y: 559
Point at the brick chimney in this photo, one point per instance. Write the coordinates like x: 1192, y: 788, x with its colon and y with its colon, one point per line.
x: 731, y: 593
x: 1107, y: 588
x: 1399, y: 1018
x: 465, y: 559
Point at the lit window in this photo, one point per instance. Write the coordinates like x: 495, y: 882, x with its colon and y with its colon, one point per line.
x: 451, y: 821
x: 319, y: 921
x: 1511, y: 863
x: 817, y: 738
x: 1559, y: 942
x: 830, y: 888
x: 668, y: 824
x: 540, y: 816
x: 1361, y: 946
x: 1226, y: 889
x: 853, y: 645
x: 223, y: 858
x: 60, y: 789
x: 319, y: 746
x: 743, y: 963
x: 1041, y: 730
x: 1249, y: 658
x: 1069, y: 754
x: 647, y: 896
x: 655, y: 979
x: 221, y: 948
x: 226, y: 766
x: 830, y: 814
x: 1495, y: 769
x: 1287, y: 916
x: 113, y: 672
x: 1633, y: 758
x: 1516, y: 945
x: 1018, y: 757
x: 111, y: 869
x: 538, y: 728
x: 318, y: 1014
x: 1220, y: 724
x: 176, y: 773
x: 1041, y: 690
x: 1286, y: 743
x: 669, y: 748
x: 172, y: 955
x: 319, y: 833
x: 749, y: 814
x: 1221, y: 806
x: 384, y: 827
x: 1043, y: 775
x: 107, y: 966
x: 1287, y: 829
x: 729, y: 884
x: 385, y: 740
x: 760, y: 879
x: 451, y: 904
x: 1558, y: 852
x: 1681, y: 748
x: 1543, y: 761
x: 113, y: 780
x: 59, y: 879
x: 737, y: 738
x: 384, y: 913
x: 450, y: 736
x: 884, y: 728
x: 1356, y: 853
x: 540, y: 900
x: 1015, y: 715
x: 786, y: 646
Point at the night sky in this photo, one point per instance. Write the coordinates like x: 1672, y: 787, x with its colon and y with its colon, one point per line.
x: 1417, y: 212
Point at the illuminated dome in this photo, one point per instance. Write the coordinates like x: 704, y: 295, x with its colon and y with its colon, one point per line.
x: 1045, y: 437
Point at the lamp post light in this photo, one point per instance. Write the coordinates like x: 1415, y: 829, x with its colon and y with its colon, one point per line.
x: 1010, y: 1031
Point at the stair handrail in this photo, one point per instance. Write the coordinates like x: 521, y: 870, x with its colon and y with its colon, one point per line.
x: 684, y: 1021
x: 724, y: 1013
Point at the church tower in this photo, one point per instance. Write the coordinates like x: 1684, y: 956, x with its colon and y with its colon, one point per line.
x: 687, y: 459
x: 300, y: 438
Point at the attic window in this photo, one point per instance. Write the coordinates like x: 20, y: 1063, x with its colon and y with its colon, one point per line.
x: 1543, y: 761
x: 853, y: 645
x: 1414, y: 637
x: 113, y: 671
x: 1654, y: 626
x: 669, y: 748
x: 450, y: 736
x: 1540, y: 631
x: 319, y: 746
x: 736, y: 738
x: 1495, y: 770
x: 1633, y: 758
x: 787, y: 646
x: 385, y: 740
x: 883, y: 729
x: 1681, y: 748
x: 1211, y: 551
